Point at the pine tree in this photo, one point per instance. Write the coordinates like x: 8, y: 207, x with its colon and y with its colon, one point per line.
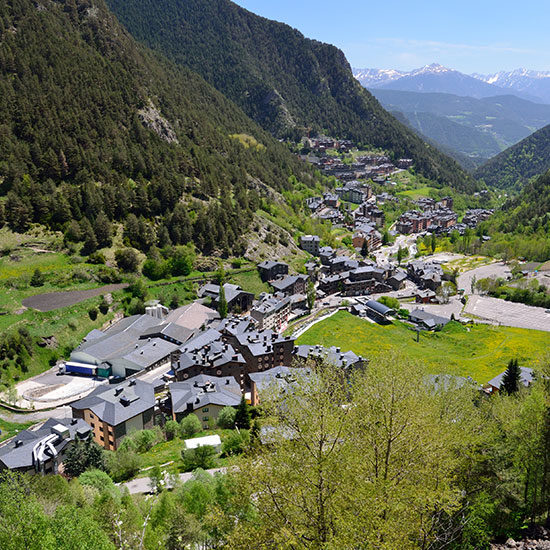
x: 365, y: 249
x: 242, y: 418
x: 102, y: 230
x: 37, y: 278
x: 222, y: 303
x: 88, y: 236
x: 511, y: 378
x: 433, y: 243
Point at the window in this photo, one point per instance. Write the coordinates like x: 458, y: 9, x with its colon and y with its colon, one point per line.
x: 92, y: 425
x: 205, y: 410
x: 102, y: 438
x: 205, y: 418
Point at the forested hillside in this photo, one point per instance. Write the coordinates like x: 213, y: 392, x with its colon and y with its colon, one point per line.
x: 516, y: 165
x: 92, y: 123
x: 284, y: 81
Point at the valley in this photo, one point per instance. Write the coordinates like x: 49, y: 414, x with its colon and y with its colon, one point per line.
x: 252, y: 297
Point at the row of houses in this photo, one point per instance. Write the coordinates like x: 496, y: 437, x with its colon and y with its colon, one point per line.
x: 415, y: 221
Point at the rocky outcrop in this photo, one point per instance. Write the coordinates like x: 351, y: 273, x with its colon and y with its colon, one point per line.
x: 537, y: 538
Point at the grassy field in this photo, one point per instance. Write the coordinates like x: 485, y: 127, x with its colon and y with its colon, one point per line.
x: 414, y: 194
x: 479, y: 351
x: 250, y: 281
x: 9, y: 429
x: 170, y: 451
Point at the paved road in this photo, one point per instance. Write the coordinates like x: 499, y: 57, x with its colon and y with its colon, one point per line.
x: 143, y: 484
x: 405, y: 241
x: 492, y: 270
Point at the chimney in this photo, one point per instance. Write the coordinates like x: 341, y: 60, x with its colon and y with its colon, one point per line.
x: 132, y: 382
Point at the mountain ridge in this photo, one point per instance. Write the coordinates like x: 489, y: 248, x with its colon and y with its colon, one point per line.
x: 286, y: 82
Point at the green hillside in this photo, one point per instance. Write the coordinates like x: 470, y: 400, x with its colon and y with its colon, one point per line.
x: 516, y: 165
x: 284, y: 81
x: 114, y: 129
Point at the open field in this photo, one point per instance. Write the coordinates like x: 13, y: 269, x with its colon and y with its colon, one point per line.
x: 414, y: 194
x: 479, y: 351
x: 9, y: 429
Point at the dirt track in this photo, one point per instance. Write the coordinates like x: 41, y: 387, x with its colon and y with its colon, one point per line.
x: 56, y: 300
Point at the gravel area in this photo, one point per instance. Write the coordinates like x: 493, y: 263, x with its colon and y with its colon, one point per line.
x: 55, y: 300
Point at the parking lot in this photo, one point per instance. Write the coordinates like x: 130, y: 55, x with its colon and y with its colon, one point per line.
x: 50, y: 389
x: 510, y: 314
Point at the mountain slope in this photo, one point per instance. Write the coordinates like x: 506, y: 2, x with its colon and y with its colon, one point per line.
x: 81, y: 102
x: 493, y: 123
x: 535, y: 83
x: 284, y: 81
x: 517, y: 164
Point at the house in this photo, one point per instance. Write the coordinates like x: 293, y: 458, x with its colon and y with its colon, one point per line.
x: 41, y: 450
x: 280, y: 377
x: 425, y: 320
x: 263, y: 350
x: 270, y: 270
x: 291, y: 284
x: 397, y: 280
x: 365, y: 233
x: 425, y: 296
x: 325, y: 254
x: 237, y: 299
x: 426, y: 275
x: 526, y: 379
x: 310, y: 243
x: 272, y: 312
x: 378, y: 312
x: 131, y: 345
x: 115, y: 411
x: 204, y: 396
x: 208, y: 354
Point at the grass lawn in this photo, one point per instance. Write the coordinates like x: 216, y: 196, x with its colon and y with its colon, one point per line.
x: 170, y: 451
x: 414, y: 194
x: 479, y: 351
x: 250, y: 281
x: 9, y: 429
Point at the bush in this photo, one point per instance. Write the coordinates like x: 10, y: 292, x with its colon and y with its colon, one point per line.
x: 103, y: 306
x: 96, y: 258
x: 81, y: 456
x: 123, y: 464
x: 127, y: 260
x: 155, y: 270
x: 226, y: 418
x: 390, y: 302
x: 171, y: 429
x: 201, y: 457
x: 97, y: 479
x: 236, y: 443
x: 142, y: 440
x: 190, y: 425
x: 92, y: 313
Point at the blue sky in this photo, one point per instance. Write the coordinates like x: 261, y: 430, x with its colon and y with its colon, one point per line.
x: 472, y: 36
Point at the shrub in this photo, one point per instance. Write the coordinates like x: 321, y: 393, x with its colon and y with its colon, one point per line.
x: 127, y: 260
x: 103, y: 306
x: 190, y: 425
x: 92, y: 313
x: 201, y: 457
x: 171, y: 429
x: 236, y: 443
x: 97, y: 479
x: 142, y: 440
x: 226, y: 418
x: 96, y: 258
x: 123, y: 464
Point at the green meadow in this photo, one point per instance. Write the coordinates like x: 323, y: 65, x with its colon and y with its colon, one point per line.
x: 479, y: 351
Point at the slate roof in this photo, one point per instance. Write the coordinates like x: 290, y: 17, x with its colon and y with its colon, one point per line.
x: 420, y: 315
x: 135, y: 342
x: 20, y: 456
x: 378, y: 307
x: 116, y: 404
x: 282, y: 376
x: 192, y: 316
x: 259, y: 342
x: 286, y: 282
x: 202, y: 390
x: 332, y: 355
x: 526, y: 378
